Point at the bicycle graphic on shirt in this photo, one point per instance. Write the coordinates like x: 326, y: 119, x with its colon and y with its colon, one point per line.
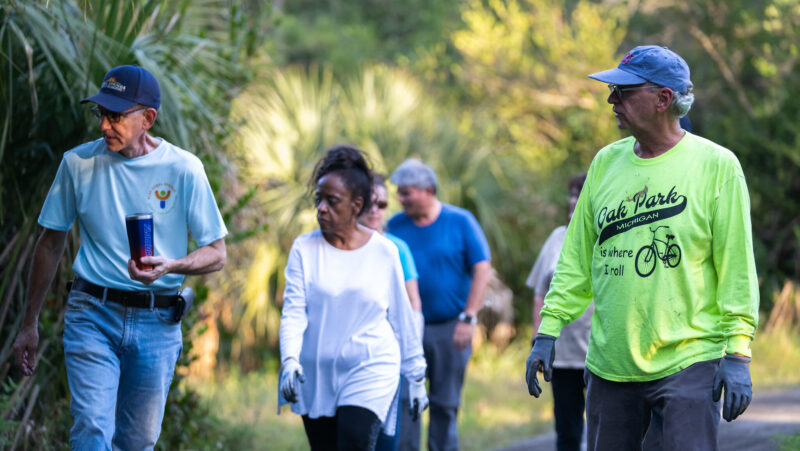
x: 646, y: 257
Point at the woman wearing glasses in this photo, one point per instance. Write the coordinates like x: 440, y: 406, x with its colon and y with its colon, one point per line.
x: 347, y: 330
x: 374, y: 218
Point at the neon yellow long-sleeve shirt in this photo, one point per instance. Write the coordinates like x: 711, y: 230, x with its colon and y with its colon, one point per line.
x: 664, y: 246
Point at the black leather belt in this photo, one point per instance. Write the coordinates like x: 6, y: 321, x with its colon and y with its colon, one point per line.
x: 140, y: 299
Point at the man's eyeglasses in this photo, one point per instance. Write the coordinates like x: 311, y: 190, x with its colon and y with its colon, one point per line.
x: 618, y: 90
x: 112, y: 116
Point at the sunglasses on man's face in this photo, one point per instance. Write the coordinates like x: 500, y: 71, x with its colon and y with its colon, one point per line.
x: 618, y: 90
x: 112, y: 116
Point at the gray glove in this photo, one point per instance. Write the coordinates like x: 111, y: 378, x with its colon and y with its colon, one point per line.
x: 734, y: 373
x: 291, y: 378
x: 417, y: 398
x: 541, y: 358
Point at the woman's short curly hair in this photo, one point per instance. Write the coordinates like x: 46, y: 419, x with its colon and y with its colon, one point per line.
x: 351, y: 165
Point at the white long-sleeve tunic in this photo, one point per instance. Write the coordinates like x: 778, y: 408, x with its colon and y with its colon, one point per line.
x: 347, y: 319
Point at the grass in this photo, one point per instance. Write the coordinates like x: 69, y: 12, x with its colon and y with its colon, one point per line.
x: 496, y: 409
x: 789, y: 442
x: 249, y: 402
x: 776, y: 358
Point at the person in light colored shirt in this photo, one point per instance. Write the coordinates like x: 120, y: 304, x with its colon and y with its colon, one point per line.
x: 347, y: 329
x: 571, y: 346
x: 122, y: 330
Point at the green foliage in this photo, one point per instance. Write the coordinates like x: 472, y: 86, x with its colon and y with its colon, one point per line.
x: 523, y: 68
x: 191, y: 423
x: 776, y: 353
x: 496, y: 408
x: 247, y: 402
x: 347, y: 35
x: 789, y: 442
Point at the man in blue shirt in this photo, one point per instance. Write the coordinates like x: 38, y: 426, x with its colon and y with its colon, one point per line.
x: 453, y: 261
x: 122, y: 334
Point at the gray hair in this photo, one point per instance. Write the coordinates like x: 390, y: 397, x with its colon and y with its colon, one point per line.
x: 413, y: 172
x: 681, y: 102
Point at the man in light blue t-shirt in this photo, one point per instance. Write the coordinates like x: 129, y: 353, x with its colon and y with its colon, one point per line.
x: 453, y: 261
x: 122, y: 334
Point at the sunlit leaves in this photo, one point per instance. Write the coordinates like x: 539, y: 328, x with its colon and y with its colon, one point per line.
x: 525, y: 64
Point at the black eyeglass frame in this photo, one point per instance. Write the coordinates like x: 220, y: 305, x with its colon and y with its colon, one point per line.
x: 617, y: 90
x: 112, y: 116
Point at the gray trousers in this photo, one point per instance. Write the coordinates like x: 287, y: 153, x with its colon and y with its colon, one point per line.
x: 672, y: 413
x: 446, y: 369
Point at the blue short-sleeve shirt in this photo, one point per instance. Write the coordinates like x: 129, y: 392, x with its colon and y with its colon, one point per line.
x: 100, y: 188
x: 406, y: 258
x: 444, y: 253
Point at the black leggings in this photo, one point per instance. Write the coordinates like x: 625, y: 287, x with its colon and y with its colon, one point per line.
x: 353, y: 428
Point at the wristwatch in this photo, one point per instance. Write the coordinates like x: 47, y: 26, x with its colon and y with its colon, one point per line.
x: 464, y: 318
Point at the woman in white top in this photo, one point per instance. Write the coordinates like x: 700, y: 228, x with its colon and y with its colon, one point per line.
x: 347, y: 330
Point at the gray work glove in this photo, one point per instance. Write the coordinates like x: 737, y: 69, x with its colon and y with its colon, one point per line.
x: 417, y: 398
x: 291, y: 378
x: 734, y: 373
x: 541, y: 358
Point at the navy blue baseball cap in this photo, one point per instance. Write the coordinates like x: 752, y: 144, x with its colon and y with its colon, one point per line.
x: 658, y: 65
x: 125, y: 86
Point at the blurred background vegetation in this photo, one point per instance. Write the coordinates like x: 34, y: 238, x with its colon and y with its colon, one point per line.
x: 492, y: 93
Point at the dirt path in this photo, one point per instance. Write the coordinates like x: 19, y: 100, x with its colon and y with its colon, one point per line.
x: 771, y: 413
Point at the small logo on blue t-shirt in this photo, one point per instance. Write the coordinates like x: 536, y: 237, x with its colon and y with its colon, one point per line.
x: 161, y: 198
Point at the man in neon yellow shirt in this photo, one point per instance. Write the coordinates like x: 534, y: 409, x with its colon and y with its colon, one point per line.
x: 661, y: 239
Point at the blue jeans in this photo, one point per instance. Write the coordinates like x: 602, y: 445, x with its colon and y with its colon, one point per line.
x: 120, y: 361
